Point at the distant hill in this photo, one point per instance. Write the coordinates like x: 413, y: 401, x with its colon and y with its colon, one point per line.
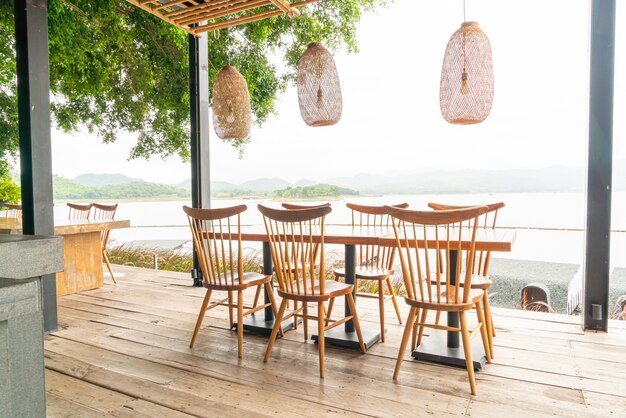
x: 551, y: 179
x: 65, y: 189
x: 184, y: 184
x: 216, y: 186
x: 314, y: 192
x: 94, y: 180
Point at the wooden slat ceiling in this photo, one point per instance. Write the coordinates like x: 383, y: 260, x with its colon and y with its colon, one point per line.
x: 199, y: 16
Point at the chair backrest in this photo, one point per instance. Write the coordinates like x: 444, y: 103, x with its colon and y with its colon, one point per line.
x: 291, y: 206
x: 487, y: 221
x: 13, y: 211
x: 298, y: 265
x: 102, y: 212
x: 217, y: 238
x: 79, y: 212
x: 373, y: 256
x: 425, y: 240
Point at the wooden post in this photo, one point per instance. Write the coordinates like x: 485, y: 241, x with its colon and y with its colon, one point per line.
x: 33, y: 100
x: 600, y: 165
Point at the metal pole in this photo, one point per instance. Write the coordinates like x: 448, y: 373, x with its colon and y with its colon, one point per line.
x: 199, y: 115
x: 33, y: 100
x: 600, y: 165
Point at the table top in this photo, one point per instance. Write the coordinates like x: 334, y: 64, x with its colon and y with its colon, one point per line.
x: 486, y: 239
x: 66, y: 226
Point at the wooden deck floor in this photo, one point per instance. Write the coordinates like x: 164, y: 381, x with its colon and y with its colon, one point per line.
x: 123, y: 351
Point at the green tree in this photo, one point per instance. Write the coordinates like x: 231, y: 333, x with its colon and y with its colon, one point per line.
x: 115, y: 67
x: 9, y: 190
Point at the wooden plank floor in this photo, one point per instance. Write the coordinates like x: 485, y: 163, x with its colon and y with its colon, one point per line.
x: 122, y: 351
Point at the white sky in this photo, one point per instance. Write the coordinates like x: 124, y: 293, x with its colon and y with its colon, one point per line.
x: 391, y: 119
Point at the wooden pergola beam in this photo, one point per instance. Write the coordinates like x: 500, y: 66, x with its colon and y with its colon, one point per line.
x: 196, y: 16
x: 217, y: 13
x: 143, y: 4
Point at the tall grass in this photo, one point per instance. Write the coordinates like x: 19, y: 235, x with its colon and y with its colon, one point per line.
x: 183, y: 262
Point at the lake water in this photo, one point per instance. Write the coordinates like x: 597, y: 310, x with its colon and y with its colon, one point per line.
x: 549, y: 225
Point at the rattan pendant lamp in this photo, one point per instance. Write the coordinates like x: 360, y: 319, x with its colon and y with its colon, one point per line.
x: 232, y: 114
x: 319, y: 91
x: 466, y: 89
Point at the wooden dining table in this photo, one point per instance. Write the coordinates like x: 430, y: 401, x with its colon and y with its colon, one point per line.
x: 442, y: 350
x: 82, y: 246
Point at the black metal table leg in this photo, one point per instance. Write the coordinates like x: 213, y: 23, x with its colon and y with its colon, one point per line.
x: 447, y: 350
x: 262, y: 325
x: 347, y: 337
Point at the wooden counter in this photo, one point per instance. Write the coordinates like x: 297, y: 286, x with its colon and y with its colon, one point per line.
x: 82, y: 245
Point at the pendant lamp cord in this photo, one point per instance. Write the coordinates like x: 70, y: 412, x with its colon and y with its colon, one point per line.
x: 463, y: 10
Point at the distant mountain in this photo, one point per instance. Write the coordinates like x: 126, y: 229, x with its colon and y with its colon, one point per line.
x: 221, y: 186
x: 305, y: 183
x: 264, y: 185
x: 478, y: 180
x: 95, y: 180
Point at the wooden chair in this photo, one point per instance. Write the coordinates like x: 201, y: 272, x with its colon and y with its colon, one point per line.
x: 79, y: 212
x: 426, y: 239
x: 217, y: 238
x: 13, y: 211
x: 374, y: 262
x: 105, y: 213
x: 481, y: 278
x: 291, y: 206
x: 290, y: 234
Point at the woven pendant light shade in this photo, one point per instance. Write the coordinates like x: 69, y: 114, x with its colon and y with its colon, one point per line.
x: 466, y: 89
x: 232, y: 115
x: 319, y: 91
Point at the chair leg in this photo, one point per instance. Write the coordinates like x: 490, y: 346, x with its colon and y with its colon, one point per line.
x: 467, y: 348
x: 270, y: 294
x: 230, y: 309
x: 484, y: 332
x: 489, y: 321
x: 205, y: 303
x: 394, y: 300
x: 295, y: 318
x: 405, y: 340
x: 329, y: 311
x: 414, y: 331
x: 437, y: 317
x: 305, y: 320
x: 355, y: 319
x: 106, y: 261
x: 240, y: 323
x: 256, y: 296
x: 381, y: 310
x: 320, y: 335
x: 279, y: 320
x: 421, y: 327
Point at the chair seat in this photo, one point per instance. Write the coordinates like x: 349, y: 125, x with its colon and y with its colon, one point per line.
x: 249, y: 279
x: 367, y: 273
x: 332, y: 289
x: 475, y: 295
x: 478, y: 281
